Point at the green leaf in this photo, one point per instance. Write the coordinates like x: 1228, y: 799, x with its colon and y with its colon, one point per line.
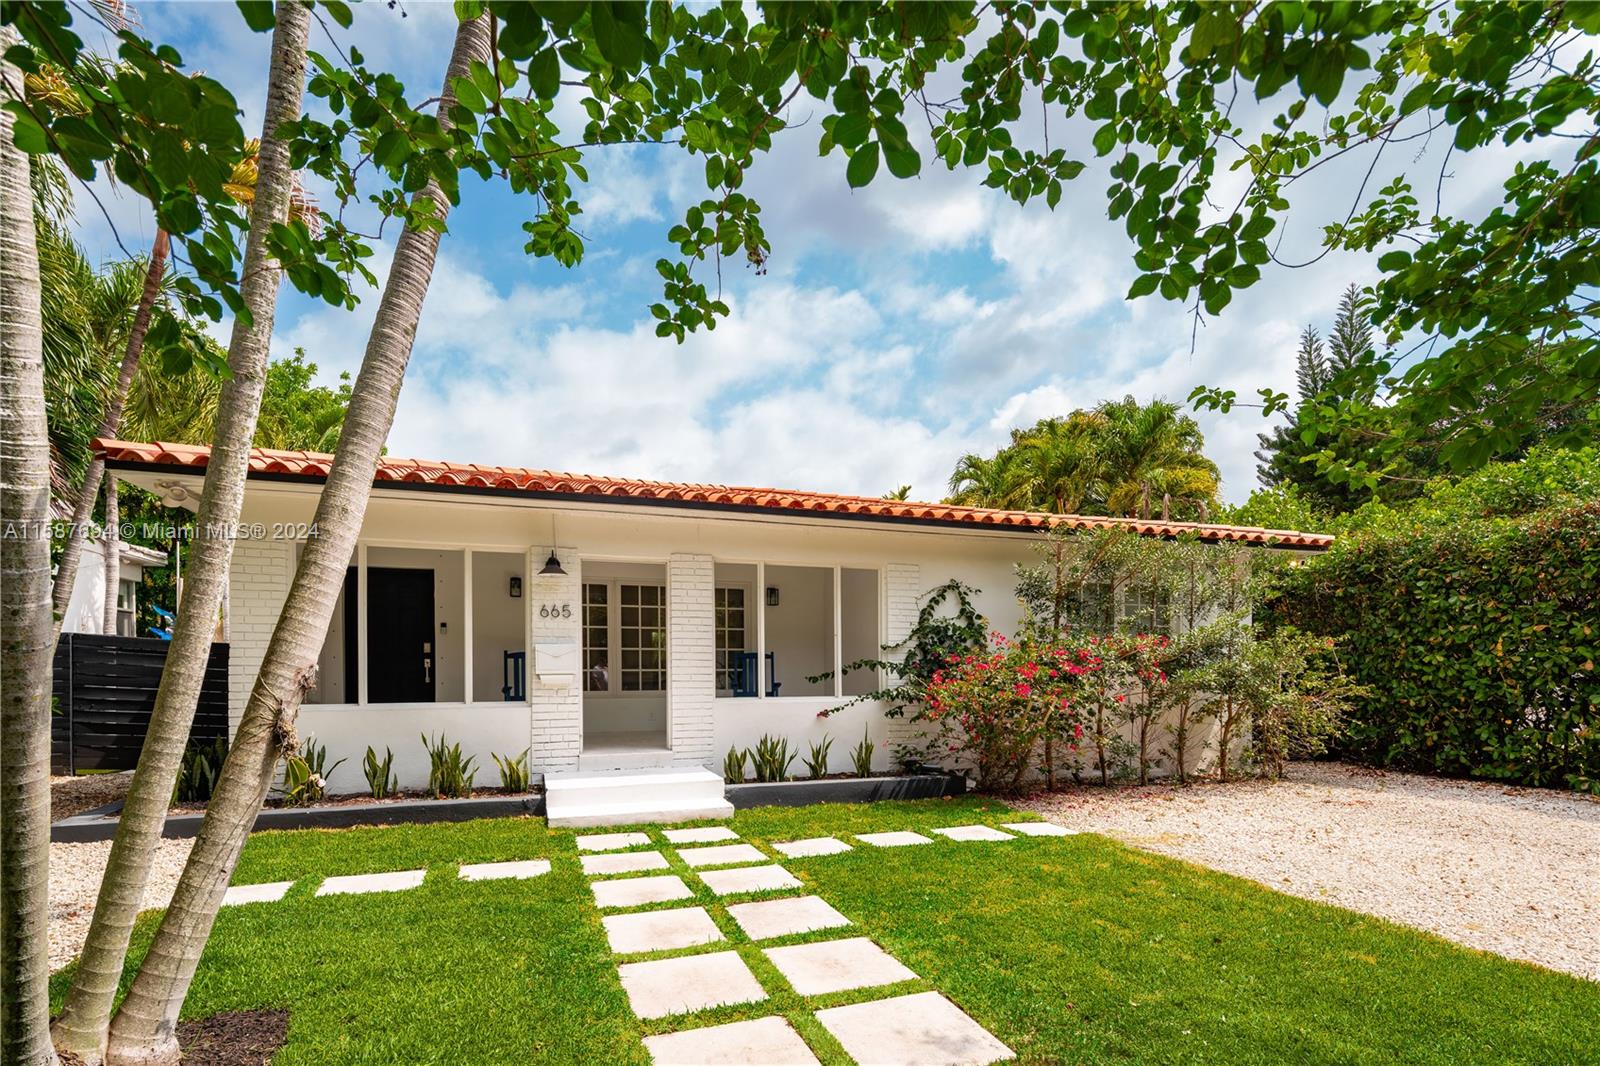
x: 258, y: 14
x: 903, y: 162
x: 1143, y: 285
x: 27, y: 133
x: 863, y: 165
x: 1392, y: 261
x: 544, y: 73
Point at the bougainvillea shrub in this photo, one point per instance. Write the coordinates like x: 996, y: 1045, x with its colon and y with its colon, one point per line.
x: 1477, y: 640
x: 996, y: 707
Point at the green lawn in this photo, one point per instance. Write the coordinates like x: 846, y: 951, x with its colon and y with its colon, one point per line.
x: 1068, y: 949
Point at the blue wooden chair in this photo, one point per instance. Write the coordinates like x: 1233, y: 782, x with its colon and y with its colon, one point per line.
x: 742, y: 678
x: 514, y: 675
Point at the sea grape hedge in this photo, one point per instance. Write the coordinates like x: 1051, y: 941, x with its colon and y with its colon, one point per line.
x: 1478, y: 637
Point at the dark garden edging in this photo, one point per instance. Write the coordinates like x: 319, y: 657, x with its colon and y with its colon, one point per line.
x: 845, y: 790
x: 101, y: 823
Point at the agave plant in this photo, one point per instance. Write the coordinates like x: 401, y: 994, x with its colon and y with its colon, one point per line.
x: 450, y: 773
x: 513, y: 771
x: 380, y: 774
x: 817, y: 761
x: 733, y: 765
x: 771, y: 758
x: 861, y: 756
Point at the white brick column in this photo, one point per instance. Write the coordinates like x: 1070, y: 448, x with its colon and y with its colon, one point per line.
x: 556, y: 723
x: 258, y: 583
x: 691, y: 656
x: 901, y: 603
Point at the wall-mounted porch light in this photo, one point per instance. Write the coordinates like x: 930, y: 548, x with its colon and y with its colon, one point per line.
x: 772, y: 596
x: 516, y: 586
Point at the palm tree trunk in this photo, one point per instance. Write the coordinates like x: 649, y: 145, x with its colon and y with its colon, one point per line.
x: 112, y: 548
x: 24, y: 617
x: 85, y: 1018
x: 143, y: 1031
x: 110, y: 423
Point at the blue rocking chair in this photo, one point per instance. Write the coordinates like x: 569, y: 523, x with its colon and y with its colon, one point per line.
x: 742, y: 674
x: 514, y: 676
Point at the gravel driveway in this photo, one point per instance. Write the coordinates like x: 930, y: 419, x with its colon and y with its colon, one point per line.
x: 1510, y: 870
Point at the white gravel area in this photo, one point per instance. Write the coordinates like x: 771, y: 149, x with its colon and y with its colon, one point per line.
x: 75, y: 871
x: 1515, y: 871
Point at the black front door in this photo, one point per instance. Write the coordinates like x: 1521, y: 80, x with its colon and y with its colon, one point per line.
x: 401, y: 645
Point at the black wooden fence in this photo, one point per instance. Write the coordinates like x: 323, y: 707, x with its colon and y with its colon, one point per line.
x: 105, y: 689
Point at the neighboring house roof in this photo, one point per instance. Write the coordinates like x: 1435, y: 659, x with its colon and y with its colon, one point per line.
x: 140, y: 555
x: 548, y: 484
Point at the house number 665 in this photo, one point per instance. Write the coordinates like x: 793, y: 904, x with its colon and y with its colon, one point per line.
x: 550, y: 610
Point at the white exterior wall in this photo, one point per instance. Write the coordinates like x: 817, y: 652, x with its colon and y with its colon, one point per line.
x: 909, y: 560
x: 86, y: 606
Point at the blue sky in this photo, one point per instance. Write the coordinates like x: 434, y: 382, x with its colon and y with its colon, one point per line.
x: 898, y: 327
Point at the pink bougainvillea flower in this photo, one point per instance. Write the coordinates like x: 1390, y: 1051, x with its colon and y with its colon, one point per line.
x: 1024, y: 689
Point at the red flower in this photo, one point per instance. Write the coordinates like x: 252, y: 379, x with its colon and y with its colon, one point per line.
x: 1024, y: 690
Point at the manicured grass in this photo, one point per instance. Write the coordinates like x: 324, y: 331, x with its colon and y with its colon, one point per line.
x: 1068, y: 949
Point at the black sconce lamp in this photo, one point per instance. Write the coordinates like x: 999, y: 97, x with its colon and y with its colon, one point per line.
x: 772, y: 596
x: 516, y: 586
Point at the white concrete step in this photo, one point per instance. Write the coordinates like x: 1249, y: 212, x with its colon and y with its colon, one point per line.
x: 624, y: 796
x: 625, y: 759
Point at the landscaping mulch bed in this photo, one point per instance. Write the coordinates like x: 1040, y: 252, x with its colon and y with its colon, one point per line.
x: 234, y: 1038
x: 351, y: 799
x: 74, y: 794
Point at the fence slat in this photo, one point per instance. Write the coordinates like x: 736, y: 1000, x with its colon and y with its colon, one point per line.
x: 105, y: 690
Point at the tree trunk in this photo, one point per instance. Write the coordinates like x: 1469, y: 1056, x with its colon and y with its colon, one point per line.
x: 85, y: 1018
x: 24, y: 618
x: 112, y: 547
x: 143, y: 1031
x: 110, y: 423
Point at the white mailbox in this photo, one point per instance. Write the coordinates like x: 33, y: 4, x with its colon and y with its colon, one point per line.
x: 555, y: 663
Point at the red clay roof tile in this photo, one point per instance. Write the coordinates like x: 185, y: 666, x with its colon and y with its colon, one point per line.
x: 517, y: 479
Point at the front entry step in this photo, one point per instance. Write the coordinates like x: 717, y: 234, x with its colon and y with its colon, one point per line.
x: 623, y: 797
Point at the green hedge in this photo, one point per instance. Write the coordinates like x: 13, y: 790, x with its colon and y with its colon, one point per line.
x: 1478, y: 638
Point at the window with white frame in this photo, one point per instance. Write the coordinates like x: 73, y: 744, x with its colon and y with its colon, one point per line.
x: 732, y: 638
x: 127, y: 597
x: 1144, y: 610
x: 624, y: 636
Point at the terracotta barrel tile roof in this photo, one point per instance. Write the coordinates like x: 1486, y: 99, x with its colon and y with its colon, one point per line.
x: 547, y: 482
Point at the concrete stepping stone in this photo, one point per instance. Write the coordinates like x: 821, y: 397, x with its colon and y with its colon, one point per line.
x: 749, y: 879
x: 770, y: 1041
x: 694, y: 982
x: 626, y: 862
x: 781, y: 917
x: 837, y: 965
x: 271, y: 892
x: 797, y: 849
x: 973, y: 832
x: 721, y: 855
x: 1041, y: 829
x: 354, y: 884
x: 637, y: 891
x: 610, y: 841
x: 916, y: 1030
x: 683, y: 927
x: 495, y: 871
x: 705, y: 834
x: 898, y: 839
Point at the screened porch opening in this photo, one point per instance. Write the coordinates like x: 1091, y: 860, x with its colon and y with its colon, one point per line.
x: 624, y: 656
x: 787, y: 631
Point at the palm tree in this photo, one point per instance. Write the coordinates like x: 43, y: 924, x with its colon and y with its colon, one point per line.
x: 1064, y: 460
x: 1154, y: 456
x: 901, y: 493
x: 998, y: 481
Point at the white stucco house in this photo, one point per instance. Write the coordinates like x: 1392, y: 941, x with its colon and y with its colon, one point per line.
x: 86, y: 606
x: 604, y: 624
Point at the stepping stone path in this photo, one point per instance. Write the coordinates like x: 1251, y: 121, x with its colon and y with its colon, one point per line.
x: 923, y: 1027
x: 685, y: 927
x: 796, y: 849
x: 973, y: 832
x: 1040, y: 829
x: 496, y: 871
x: 354, y: 884
x: 637, y: 891
x: 771, y: 1041
x: 898, y: 839
x: 611, y: 841
x: 742, y: 879
x: 624, y: 862
x: 267, y: 893
x: 721, y: 855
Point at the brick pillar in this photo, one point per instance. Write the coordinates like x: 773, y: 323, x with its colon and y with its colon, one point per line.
x: 691, y: 656
x: 556, y: 722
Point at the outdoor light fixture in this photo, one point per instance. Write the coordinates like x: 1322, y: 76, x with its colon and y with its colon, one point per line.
x: 772, y: 596
x: 516, y: 586
x: 552, y: 565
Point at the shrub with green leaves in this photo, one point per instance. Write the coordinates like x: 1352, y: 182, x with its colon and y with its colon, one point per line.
x: 771, y: 758
x: 817, y: 761
x: 513, y: 771
x: 861, y: 755
x: 305, y: 774
x: 197, y: 773
x: 381, y: 780
x: 450, y: 773
x: 1476, y: 639
x: 733, y: 765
